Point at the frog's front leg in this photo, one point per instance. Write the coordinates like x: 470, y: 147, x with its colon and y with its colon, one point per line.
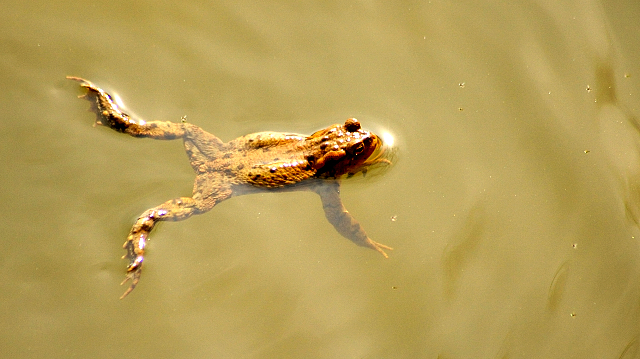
x: 342, y: 220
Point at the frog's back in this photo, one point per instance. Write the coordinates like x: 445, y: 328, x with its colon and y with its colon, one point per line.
x: 267, y: 159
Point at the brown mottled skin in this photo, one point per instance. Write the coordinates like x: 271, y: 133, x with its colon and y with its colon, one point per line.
x: 259, y: 161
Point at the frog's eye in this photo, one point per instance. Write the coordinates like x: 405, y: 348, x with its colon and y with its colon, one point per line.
x: 352, y: 125
x: 358, y: 149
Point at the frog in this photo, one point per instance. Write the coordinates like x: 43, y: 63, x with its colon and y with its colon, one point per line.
x: 263, y: 161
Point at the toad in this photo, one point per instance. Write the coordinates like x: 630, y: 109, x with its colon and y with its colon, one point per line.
x: 264, y: 161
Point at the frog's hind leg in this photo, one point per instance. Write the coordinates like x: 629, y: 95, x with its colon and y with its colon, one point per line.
x: 108, y: 113
x: 174, y: 210
x: 201, y: 146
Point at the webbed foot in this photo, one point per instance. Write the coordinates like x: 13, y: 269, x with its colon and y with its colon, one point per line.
x: 135, y: 249
x: 110, y: 114
x: 107, y: 111
x: 134, y: 275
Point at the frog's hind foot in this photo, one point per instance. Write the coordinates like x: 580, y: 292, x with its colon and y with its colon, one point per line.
x: 92, y: 95
x: 135, y: 251
x: 107, y: 111
x: 134, y: 276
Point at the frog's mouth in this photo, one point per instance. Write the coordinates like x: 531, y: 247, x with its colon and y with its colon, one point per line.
x: 381, y: 156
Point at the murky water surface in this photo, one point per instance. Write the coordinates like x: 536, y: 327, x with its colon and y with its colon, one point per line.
x: 513, y: 206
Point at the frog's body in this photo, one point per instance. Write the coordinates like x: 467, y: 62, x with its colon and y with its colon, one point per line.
x: 259, y: 161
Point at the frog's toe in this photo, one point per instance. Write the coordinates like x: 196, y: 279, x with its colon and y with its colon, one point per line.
x: 83, y: 82
x: 134, y: 275
x: 134, y: 270
x: 379, y: 247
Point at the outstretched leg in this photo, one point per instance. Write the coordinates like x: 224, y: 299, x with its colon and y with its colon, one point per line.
x: 205, y: 197
x: 342, y: 220
x: 200, y: 146
x: 108, y: 113
x: 174, y: 210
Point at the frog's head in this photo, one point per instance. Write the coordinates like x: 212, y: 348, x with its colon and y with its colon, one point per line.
x: 344, y: 149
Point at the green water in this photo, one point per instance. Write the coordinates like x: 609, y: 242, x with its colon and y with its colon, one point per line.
x: 515, y: 194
